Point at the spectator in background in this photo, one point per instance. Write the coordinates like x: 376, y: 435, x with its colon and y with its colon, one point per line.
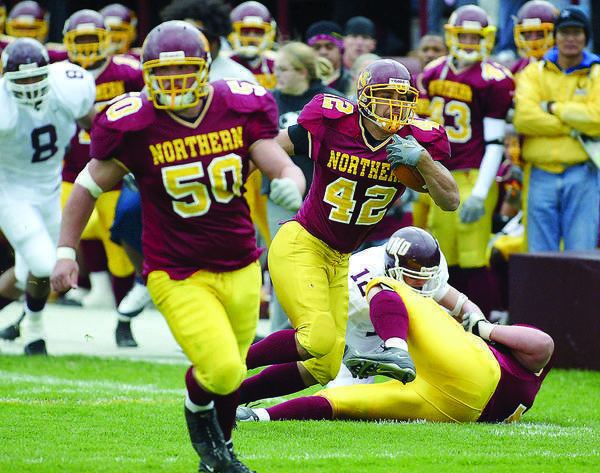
x: 359, y: 39
x: 298, y: 70
x: 326, y: 38
x: 557, y: 100
x: 360, y: 63
x: 431, y: 46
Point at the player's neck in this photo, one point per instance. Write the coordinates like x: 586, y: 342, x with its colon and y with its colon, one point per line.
x: 190, y: 114
x: 373, y: 130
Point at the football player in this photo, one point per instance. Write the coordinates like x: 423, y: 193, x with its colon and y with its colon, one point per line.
x: 534, y: 32
x: 2, y: 16
x: 28, y: 19
x: 40, y: 104
x: 470, y: 95
x: 121, y: 23
x: 252, y: 38
x: 190, y: 146
x: 460, y: 377
x: 86, y: 38
x: 352, y: 188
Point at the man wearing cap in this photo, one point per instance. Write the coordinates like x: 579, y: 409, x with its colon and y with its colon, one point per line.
x: 557, y: 104
x: 326, y: 38
x: 359, y: 39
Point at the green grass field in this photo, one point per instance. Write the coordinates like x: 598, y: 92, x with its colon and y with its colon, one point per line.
x: 75, y: 414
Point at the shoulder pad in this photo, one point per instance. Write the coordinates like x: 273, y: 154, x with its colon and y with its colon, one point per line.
x: 334, y: 107
x: 242, y: 96
x: 124, y: 60
x: 74, y: 86
x: 135, y: 106
x: 491, y: 70
x: 324, y: 107
x: 435, y: 63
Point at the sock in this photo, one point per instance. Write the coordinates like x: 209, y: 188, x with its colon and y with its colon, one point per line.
x: 302, y: 408
x: 277, y: 348
x: 34, y: 305
x: 121, y: 286
x: 195, y: 394
x: 94, y: 255
x: 226, y: 406
x: 389, y: 315
x: 276, y: 380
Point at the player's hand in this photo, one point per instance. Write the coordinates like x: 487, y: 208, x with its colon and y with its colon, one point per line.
x: 471, y: 319
x: 405, y: 151
x: 64, y: 276
x: 472, y: 209
x: 285, y: 193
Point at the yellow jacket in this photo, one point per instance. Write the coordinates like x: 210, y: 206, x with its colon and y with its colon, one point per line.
x: 548, y: 143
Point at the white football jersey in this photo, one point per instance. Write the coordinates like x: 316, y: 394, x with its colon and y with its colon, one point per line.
x: 369, y: 264
x: 33, y: 142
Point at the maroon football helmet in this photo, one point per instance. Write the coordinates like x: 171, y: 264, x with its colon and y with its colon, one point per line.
x: 86, y: 38
x: 122, y: 23
x: 385, y: 94
x: 28, y: 20
x: 470, y: 19
x: 253, y: 29
x: 413, y: 252
x: 176, y: 43
x: 534, y: 28
x: 26, y: 58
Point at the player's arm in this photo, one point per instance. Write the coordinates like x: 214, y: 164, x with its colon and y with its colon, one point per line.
x: 96, y: 177
x: 458, y: 304
x: 287, y: 181
x: 440, y: 182
x: 85, y: 122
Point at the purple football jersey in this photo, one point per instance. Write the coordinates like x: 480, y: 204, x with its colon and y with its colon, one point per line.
x: 353, y: 184
x: 461, y: 100
x: 121, y: 74
x: 191, y: 175
x: 516, y: 389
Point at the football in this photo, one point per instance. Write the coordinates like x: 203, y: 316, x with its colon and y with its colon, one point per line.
x: 410, y: 177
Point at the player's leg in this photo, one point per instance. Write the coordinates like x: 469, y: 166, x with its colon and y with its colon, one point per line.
x: 543, y: 204
x: 202, y: 328
x: 579, y: 207
x: 9, y: 292
x: 420, y: 210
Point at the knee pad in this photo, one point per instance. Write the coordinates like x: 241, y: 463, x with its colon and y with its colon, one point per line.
x: 319, y: 336
x: 224, y: 378
x: 39, y: 255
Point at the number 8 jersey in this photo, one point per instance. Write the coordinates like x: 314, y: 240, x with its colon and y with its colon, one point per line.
x: 353, y: 184
x: 33, y: 142
x: 191, y: 174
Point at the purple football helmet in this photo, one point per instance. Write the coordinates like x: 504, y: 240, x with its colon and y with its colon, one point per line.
x: 25, y: 69
x: 28, y: 20
x: 534, y: 28
x: 253, y: 29
x: 385, y: 85
x: 122, y: 23
x: 86, y: 38
x: 176, y: 43
x: 413, y: 252
x: 470, y: 19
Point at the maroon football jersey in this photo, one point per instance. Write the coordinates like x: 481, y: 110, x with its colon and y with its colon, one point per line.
x: 191, y: 175
x: 461, y: 100
x: 353, y: 184
x: 121, y: 74
x: 516, y: 389
x: 263, y: 69
x: 521, y: 64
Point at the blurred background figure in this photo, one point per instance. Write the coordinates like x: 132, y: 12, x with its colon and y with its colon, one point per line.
x: 298, y: 69
x: 2, y: 16
x: 326, y: 38
x: 360, y: 63
x: 438, y: 9
x: 121, y: 23
x: 557, y: 108
x: 359, y: 39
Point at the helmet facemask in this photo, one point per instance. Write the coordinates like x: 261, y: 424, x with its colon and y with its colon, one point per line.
x: 430, y: 276
x: 252, y: 36
x: 470, y: 52
x: 121, y: 34
x: 87, y: 44
x: 27, y: 26
x: 33, y: 94
x: 534, y: 47
x: 176, y: 91
x: 397, y: 96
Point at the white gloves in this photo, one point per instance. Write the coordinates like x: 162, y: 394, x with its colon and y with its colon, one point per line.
x: 472, y: 209
x: 285, y: 193
x: 405, y: 151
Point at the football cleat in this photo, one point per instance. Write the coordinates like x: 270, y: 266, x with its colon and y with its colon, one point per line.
x: 246, y: 414
x: 36, y: 348
x: 236, y: 466
x: 207, y: 439
x: 135, y: 301
x: 392, y: 362
x: 12, y: 331
x: 123, y: 335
